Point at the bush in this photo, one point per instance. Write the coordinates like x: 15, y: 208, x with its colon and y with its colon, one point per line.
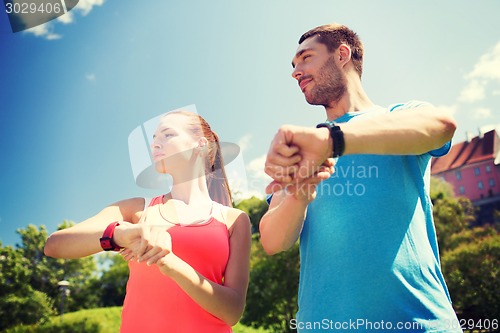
x: 31, y: 309
x: 472, y: 273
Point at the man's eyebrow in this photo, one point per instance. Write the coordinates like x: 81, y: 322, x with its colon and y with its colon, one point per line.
x: 298, y: 54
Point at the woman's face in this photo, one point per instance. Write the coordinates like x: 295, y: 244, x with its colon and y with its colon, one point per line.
x: 173, y: 142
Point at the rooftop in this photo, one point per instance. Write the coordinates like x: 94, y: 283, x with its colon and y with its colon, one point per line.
x: 478, y: 149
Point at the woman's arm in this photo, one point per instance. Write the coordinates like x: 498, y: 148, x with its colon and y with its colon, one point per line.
x: 82, y: 239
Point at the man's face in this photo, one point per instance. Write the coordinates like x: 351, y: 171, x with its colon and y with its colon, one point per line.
x: 319, y: 78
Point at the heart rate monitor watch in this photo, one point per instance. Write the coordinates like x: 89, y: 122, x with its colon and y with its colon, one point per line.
x: 106, y: 240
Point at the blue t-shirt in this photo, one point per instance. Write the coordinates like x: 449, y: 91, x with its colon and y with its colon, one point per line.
x: 368, y: 251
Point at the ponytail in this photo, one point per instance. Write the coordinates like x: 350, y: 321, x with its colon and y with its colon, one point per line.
x: 217, y: 183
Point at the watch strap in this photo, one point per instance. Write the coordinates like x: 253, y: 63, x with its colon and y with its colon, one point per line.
x: 106, y: 240
x: 337, y: 137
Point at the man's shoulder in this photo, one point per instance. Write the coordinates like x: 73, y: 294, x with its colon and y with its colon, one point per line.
x: 408, y: 105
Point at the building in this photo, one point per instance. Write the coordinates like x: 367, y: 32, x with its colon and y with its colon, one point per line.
x: 472, y: 167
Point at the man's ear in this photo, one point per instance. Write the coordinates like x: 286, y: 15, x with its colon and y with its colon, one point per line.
x: 343, y: 54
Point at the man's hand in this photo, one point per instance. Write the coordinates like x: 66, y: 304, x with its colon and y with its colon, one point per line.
x: 297, y: 153
x: 305, y: 189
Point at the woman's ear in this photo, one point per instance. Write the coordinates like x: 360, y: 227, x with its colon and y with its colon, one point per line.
x: 202, y: 142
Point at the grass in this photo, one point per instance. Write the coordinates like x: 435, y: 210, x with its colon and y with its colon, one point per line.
x: 108, y: 320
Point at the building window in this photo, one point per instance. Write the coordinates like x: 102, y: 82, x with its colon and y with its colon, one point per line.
x: 480, y: 185
x: 491, y: 182
x: 488, y: 168
x: 477, y: 171
x: 461, y: 189
x: 458, y: 175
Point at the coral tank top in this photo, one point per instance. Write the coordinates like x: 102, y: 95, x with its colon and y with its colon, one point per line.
x: 154, y: 303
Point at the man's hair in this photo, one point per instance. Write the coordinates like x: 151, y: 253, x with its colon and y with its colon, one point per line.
x: 332, y: 35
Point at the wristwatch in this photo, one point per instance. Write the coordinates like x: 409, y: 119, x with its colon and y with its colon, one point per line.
x: 106, y: 240
x: 337, y: 137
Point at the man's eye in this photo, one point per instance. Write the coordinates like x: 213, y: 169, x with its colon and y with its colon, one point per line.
x: 306, y: 56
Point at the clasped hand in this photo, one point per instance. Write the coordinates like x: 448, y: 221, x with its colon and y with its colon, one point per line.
x: 298, y: 159
x: 145, y: 242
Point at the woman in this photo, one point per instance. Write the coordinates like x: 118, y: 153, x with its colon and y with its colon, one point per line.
x: 188, y: 255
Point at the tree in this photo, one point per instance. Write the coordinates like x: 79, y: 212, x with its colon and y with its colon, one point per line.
x: 19, y: 302
x: 272, y: 293
x: 452, y: 215
x: 255, y: 208
x: 472, y: 271
x: 470, y: 257
x: 29, y: 290
x: 46, y: 272
x: 112, y: 284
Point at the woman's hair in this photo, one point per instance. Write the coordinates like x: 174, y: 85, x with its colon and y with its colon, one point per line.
x: 217, y: 184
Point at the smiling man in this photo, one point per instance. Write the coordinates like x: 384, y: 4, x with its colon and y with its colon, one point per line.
x: 368, y: 249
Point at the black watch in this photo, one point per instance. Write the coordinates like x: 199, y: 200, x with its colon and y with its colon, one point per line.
x: 337, y: 137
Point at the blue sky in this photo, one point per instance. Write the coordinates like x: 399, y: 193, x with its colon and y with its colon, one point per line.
x: 72, y: 90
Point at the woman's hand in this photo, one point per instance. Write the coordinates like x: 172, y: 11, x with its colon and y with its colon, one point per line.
x: 143, y: 242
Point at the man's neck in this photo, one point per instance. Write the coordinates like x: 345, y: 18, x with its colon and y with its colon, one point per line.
x: 355, y: 99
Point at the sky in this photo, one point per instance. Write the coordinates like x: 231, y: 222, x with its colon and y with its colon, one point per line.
x: 73, y: 89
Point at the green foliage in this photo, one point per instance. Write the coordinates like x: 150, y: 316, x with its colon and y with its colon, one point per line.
x: 272, y: 293
x: 29, y: 279
x: 14, y: 273
x: 46, y: 272
x: 470, y: 257
x: 33, y: 307
x: 112, y: 284
x: 452, y: 215
x: 472, y: 270
x: 255, y: 208
x: 103, y: 320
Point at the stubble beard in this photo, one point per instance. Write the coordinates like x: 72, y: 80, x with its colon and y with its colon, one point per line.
x: 329, y: 87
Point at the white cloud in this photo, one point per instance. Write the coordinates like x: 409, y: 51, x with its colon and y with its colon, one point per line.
x: 474, y: 91
x: 66, y: 18
x: 481, y: 113
x: 488, y: 66
x: 244, y: 142
x: 256, y: 168
x: 45, y: 31
x: 486, y: 70
x: 487, y: 128
x: 84, y: 7
x: 453, y: 109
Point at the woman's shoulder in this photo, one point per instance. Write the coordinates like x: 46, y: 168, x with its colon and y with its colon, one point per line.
x: 234, y: 217
x: 131, y: 209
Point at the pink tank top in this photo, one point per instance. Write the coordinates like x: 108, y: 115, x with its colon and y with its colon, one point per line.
x: 154, y: 303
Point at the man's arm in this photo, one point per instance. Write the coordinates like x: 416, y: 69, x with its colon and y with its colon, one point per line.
x: 409, y: 132
x: 280, y: 227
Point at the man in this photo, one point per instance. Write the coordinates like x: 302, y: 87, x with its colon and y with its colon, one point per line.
x: 368, y: 249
